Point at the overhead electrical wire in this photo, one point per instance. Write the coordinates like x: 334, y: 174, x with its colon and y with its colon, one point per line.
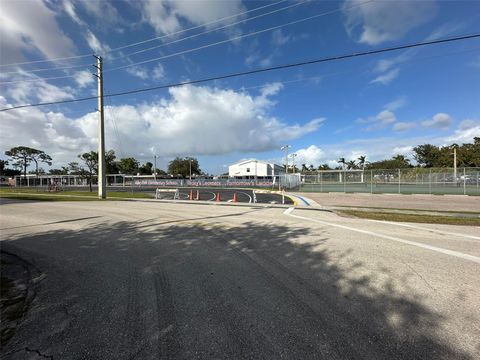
x: 147, y: 40
x: 232, y: 39
x: 201, y: 47
x: 44, y: 69
x: 209, y: 31
x: 193, y: 27
x: 37, y: 79
x: 262, y: 70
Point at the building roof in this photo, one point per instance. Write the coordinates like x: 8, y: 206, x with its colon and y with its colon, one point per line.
x: 241, y: 162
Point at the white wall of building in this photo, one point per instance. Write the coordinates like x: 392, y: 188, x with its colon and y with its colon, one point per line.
x: 253, y: 168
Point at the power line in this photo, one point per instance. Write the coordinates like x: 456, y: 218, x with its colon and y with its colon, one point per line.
x: 47, y: 60
x: 261, y: 70
x: 194, y: 27
x: 209, y: 31
x: 145, y: 41
x: 37, y: 79
x: 234, y: 38
x: 45, y: 69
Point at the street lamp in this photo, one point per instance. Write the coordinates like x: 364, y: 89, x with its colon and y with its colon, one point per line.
x: 293, y: 161
x: 190, y: 161
x: 286, y: 147
x: 155, y: 167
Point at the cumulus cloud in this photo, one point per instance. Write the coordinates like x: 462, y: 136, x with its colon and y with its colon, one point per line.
x: 467, y: 130
x: 28, y: 26
x: 38, y: 90
x: 439, y: 121
x: 191, y: 121
x: 166, y: 16
x: 382, y: 119
x: 382, y: 21
x: 311, y: 155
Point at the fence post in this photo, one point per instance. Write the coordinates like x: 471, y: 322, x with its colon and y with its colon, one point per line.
x: 321, y: 182
x: 399, y: 175
x: 344, y: 181
x: 371, y: 181
x: 430, y: 181
x: 464, y: 181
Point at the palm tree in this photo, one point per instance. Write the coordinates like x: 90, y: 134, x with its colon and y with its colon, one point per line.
x: 352, y: 164
x: 342, y: 161
x: 362, y: 161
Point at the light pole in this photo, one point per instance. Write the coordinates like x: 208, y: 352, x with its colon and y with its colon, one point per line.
x: 155, y: 167
x: 455, y: 164
x: 190, y: 161
x: 293, y: 161
x: 286, y: 147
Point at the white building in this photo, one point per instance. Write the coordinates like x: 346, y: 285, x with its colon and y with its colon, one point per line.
x: 254, y: 168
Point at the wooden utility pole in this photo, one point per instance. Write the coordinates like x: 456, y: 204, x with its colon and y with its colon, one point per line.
x: 102, y: 183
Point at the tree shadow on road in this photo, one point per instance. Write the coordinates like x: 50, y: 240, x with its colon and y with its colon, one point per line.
x: 128, y: 290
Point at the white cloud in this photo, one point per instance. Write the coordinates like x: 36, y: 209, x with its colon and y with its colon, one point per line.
x: 439, y: 121
x: 158, y: 72
x: 138, y: 71
x: 312, y: 155
x: 381, y: 120
x: 94, y: 43
x: 193, y: 120
x: 386, y: 78
x: 396, y: 104
x: 467, y: 130
x: 84, y: 78
x: 380, y: 21
x: 30, y: 26
x: 279, y: 38
x: 167, y: 16
x: 38, y: 90
x: 403, y: 126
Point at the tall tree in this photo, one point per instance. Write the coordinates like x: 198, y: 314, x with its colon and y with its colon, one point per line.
x: 362, y: 161
x: 351, y: 164
x: 90, y: 160
x: 324, y: 167
x: 179, y: 166
x: 111, y: 164
x: 146, y: 169
x: 426, y: 155
x: 128, y: 166
x: 23, y: 156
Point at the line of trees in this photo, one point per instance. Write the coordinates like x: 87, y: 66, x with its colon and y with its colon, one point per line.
x: 427, y: 156
x: 22, y: 157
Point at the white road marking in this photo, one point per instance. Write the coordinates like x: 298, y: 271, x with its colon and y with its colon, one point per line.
x: 214, y: 196
x: 428, y: 229
x: 460, y: 255
x: 249, y: 197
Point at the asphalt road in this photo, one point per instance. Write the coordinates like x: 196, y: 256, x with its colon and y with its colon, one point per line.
x: 146, y: 280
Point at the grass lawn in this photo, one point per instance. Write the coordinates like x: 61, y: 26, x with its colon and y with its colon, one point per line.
x: 41, y: 195
x: 413, y: 218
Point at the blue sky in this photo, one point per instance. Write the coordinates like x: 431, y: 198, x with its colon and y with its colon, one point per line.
x: 376, y: 106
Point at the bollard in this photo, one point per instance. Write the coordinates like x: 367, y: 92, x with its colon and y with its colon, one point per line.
x: 234, y: 197
x: 191, y: 195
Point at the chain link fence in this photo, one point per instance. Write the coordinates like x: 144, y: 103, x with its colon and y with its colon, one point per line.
x: 463, y: 181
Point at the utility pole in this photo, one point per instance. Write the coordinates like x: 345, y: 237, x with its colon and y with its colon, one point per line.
x: 155, y: 167
x: 455, y: 164
x: 102, y: 184
x: 293, y: 161
x: 190, y: 162
x: 285, y: 147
